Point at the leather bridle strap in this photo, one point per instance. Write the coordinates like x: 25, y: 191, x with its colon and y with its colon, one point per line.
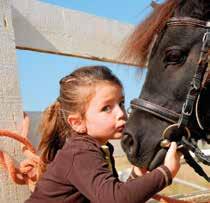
x: 180, y: 21
x: 158, y: 111
x: 197, y: 80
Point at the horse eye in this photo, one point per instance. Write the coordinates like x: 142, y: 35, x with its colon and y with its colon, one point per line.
x: 174, y: 56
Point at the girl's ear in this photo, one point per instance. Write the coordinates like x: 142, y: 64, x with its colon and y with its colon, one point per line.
x: 77, y: 123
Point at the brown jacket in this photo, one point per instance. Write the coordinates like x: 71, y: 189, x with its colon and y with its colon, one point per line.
x: 80, y: 174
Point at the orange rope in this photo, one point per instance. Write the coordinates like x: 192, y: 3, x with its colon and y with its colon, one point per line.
x: 29, y: 169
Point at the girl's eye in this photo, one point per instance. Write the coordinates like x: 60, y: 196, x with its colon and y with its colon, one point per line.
x: 106, y: 109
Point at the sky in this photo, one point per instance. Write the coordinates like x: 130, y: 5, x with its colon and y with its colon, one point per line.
x: 39, y: 73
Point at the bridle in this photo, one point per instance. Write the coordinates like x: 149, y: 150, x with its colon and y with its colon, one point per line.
x: 181, y: 120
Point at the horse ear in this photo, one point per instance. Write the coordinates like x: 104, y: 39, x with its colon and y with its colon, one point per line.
x: 154, y: 4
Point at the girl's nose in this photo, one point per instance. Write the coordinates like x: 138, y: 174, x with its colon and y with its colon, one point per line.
x: 121, y: 114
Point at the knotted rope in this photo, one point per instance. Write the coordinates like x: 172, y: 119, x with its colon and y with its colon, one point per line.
x: 29, y: 170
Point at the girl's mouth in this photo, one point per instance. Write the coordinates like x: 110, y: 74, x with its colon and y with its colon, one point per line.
x: 121, y: 128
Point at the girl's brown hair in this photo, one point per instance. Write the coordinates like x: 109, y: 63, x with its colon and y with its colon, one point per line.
x: 75, y: 92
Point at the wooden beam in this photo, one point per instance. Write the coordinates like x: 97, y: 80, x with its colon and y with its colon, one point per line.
x: 11, y: 112
x: 47, y: 28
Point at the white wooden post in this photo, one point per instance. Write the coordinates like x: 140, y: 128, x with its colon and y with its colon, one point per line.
x: 11, y: 112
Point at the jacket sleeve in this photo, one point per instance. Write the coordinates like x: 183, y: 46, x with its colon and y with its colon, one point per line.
x: 91, y: 176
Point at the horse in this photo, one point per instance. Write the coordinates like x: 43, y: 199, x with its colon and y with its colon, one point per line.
x: 174, y: 101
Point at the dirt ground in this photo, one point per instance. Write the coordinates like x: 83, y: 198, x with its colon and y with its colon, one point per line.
x: 186, y: 173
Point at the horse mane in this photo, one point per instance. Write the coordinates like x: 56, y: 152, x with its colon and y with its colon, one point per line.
x: 138, y: 44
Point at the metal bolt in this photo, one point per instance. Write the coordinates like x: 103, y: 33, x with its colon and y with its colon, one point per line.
x: 165, y: 143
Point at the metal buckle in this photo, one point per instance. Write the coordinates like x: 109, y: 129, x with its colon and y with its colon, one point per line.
x: 165, y: 143
x: 184, y: 110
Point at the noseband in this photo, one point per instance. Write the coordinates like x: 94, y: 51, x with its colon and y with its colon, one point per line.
x: 181, y: 120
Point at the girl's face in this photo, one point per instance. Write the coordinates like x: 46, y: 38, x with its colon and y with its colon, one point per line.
x: 105, y: 115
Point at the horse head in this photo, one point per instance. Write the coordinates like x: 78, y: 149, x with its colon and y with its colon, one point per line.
x: 174, y: 101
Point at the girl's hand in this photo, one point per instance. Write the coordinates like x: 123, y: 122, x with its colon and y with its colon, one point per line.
x: 172, y: 159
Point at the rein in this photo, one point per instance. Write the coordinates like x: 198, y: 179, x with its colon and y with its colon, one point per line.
x: 181, y: 120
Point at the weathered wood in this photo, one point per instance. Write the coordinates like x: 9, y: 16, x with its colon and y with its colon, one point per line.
x: 10, y: 103
x: 47, y: 28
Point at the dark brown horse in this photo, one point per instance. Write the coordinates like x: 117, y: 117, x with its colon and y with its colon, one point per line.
x: 174, y: 104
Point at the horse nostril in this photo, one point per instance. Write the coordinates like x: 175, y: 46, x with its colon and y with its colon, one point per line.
x: 128, y: 143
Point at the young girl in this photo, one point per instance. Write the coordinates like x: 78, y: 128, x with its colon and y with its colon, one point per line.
x: 76, y: 128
